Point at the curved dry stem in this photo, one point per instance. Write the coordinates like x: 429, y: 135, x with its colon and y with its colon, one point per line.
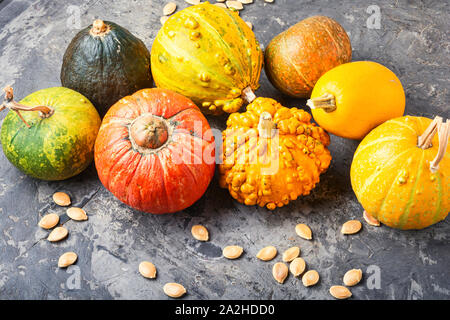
x: 327, y: 102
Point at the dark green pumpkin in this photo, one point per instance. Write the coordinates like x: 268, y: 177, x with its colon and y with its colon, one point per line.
x: 53, y: 148
x: 105, y: 62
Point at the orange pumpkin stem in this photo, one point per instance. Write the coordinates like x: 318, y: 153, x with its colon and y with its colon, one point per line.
x: 327, y: 102
x: 44, y: 111
x: 425, y: 140
x: 248, y: 95
x: 266, y: 126
x: 99, y: 28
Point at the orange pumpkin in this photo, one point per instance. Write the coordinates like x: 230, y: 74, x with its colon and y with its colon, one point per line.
x: 401, y: 172
x: 296, y: 58
x: 155, y: 151
x: 271, y: 167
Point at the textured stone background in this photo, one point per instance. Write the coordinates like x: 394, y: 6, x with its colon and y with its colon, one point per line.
x: 413, y: 41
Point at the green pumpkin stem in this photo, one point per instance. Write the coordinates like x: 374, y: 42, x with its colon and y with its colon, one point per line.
x: 44, y: 111
x: 327, y: 102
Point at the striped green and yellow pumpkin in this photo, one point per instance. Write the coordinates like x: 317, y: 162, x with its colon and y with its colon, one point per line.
x: 210, y: 55
x: 401, y: 172
x: 55, y: 144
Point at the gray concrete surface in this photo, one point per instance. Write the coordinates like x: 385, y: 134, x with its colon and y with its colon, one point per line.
x: 413, y: 40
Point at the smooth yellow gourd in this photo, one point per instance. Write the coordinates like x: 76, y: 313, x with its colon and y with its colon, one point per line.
x: 353, y: 98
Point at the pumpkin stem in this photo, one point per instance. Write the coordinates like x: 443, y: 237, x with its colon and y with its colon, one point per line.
x: 443, y: 130
x: 99, y: 28
x: 266, y: 127
x: 8, y: 102
x: 248, y: 95
x: 327, y: 102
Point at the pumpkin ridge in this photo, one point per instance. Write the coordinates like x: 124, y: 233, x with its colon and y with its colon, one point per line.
x: 164, y: 183
x: 374, y: 175
x: 125, y: 152
x: 288, y: 58
x: 438, y: 207
x: 380, y: 209
x: 404, y: 217
x: 133, y: 174
x: 213, y: 31
x: 189, y: 169
x: 404, y: 125
x: 331, y: 36
x: 242, y: 34
x: 377, y: 141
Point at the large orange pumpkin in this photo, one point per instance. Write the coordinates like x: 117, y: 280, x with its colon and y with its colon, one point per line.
x: 401, y: 172
x: 296, y: 58
x: 155, y: 151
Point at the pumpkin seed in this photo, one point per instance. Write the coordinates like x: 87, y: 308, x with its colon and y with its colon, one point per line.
x: 269, y: 1
x: 351, y: 227
x: 77, y: 214
x: 61, y: 199
x: 174, y: 290
x: 234, y: 5
x: 169, y: 8
x: 232, y: 252
x: 290, y: 254
x: 49, y: 221
x: 221, y: 5
x: 267, y: 253
x: 303, y: 231
x: 370, y: 220
x: 200, y: 233
x: 245, y: 1
x: 340, y: 292
x: 250, y: 25
x: 147, y: 269
x: 57, y: 234
x: 280, y: 272
x: 352, y: 277
x: 163, y: 19
x: 220, y: 0
x: 193, y: 2
x: 310, y: 278
x: 67, y: 259
x: 297, y: 266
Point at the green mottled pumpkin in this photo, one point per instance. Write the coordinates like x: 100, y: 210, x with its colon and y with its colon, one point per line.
x: 210, y: 55
x: 55, y: 147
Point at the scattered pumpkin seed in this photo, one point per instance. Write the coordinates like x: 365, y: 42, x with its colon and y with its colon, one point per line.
x: 234, y: 5
x: 147, y: 269
x: 169, y: 8
x: 340, y: 292
x: 57, y: 234
x: 250, y: 25
x: 193, y: 2
x: 267, y: 253
x: 77, y: 214
x: 280, y: 272
x: 49, y: 221
x: 370, y: 220
x: 222, y: 5
x: 245, y: 1
x: 290, y: 254
x: 232, y: 252
x: 220, y: 0
x: 61, y: 199
x: 352, y: 277
x: 303, y: 231
x: 200, y: 233
x: 351, y: 227
x: 269, y: 1
x: 310, y: 278
x: 67, y: 259
x: 174, y: 290
x: 297, y: 267
x: 163, y: 19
